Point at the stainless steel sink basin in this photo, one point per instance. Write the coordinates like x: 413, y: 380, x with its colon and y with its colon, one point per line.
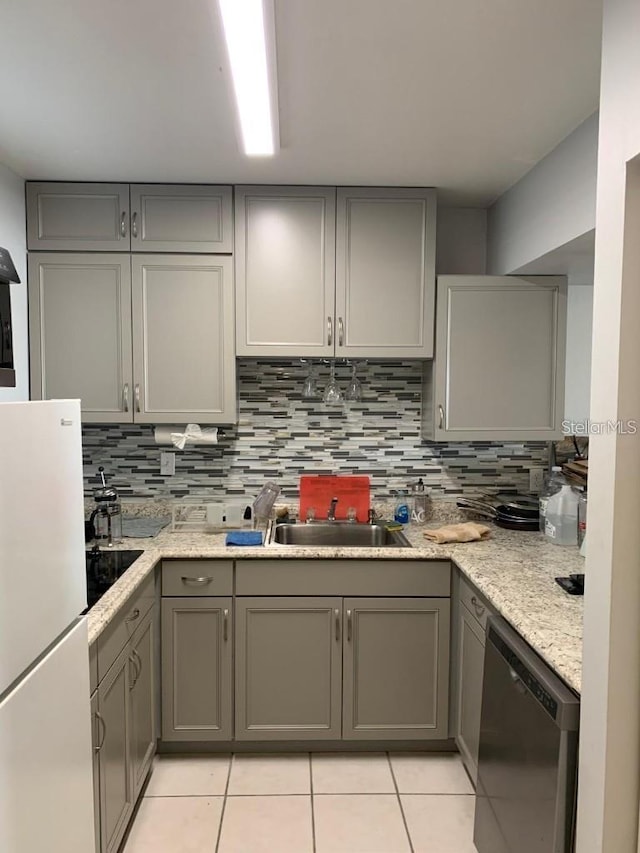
x: 337, y: 534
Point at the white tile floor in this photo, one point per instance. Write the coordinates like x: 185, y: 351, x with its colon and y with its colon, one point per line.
x: 302, y: 803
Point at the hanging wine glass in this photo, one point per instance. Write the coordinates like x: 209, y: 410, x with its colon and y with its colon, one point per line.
x: 310, y: 387
x: 354, y: 388
x: 332, y: 393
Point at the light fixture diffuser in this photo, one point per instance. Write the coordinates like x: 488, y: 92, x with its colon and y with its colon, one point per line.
x: 248, y: 31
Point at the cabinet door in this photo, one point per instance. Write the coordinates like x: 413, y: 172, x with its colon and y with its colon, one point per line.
x: 181, y: 218
x: 499, y: 369
x: 469, y: 689
x: 78, y: 217
x: 96, y: 738
x: 285, y: 271
x: 396, y: 668
x: 116, y: 794
x: 196, y: 669
x: 288, y: 668
x: 183, y: 354
x: 143, y: 728
x: 80, y: 332
x: 385, y: 272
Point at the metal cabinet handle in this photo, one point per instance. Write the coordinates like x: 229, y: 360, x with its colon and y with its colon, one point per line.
x: 134, y: 225
x: 349, y: 626
x: 340, y: 332
x: 441, y: 413
x: 479, y: 608
x: 337, y: 615
x: 123, y: 224
x: 186, y: 579
x: 137, y: 658
x: 134, y: 666
x: 137, y: 396
x: 225, y: 624
x: 125, y: 397
x: 329, y: 331
x: 135, y: 615
x: 103, y: 727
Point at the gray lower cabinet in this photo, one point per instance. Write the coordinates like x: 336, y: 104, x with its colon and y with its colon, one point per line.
x: 123, y: 709
x: 396, y: 668
x: 288, y: 668
x: 116, y: 788
x: 470, y: 662
x: 96, y: 737
x: 499, y: 368
x: 197, y: 684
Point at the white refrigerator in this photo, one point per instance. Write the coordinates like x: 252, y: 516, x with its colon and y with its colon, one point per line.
x: 46, y: 792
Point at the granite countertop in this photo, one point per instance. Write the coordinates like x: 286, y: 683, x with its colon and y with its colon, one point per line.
x: 514, y: 570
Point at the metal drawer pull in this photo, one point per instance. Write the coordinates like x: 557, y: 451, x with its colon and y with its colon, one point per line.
x: 103, y: 727
x: 441, y: 412
x: 340, y: 332
x: 348, y: 626
x: 225, y: 624
x: 337, y: 615
x: 134, y: 225
x: 329, y: 331
x: 123, y: 224
x: 125, y: 397
x: 137, y: 394
x: 135, y: 615
x: 479, y: 608
x: 186, y: 579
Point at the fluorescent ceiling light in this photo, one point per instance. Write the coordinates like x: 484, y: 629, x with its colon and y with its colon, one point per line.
x: 248, y: 30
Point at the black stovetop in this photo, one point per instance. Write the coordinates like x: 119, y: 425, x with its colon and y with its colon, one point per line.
x: 103, y: 570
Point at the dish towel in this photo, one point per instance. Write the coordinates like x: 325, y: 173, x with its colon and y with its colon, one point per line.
x: 469, y: 531
x: 244, y: 537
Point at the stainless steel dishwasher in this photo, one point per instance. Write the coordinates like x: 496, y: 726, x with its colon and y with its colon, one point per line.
x: 527, y: 766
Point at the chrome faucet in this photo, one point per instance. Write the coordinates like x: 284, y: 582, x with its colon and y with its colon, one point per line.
x: 331, y: 515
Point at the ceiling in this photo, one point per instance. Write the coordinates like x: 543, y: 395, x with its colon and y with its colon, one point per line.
x: 465, y: 95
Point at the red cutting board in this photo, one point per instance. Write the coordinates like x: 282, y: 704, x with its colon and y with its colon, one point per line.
x: 319, y: 490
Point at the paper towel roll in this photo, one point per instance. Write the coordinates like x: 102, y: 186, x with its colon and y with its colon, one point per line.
x: 182, y: 436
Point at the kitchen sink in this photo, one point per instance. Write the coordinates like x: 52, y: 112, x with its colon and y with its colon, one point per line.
x: 337, y: 534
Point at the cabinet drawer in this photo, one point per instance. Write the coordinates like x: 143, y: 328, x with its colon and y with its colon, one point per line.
x: 344, y: 577
x: 197, y: 577
x: 476, y: 604
x: 124, y: 624
x: 93, y: 666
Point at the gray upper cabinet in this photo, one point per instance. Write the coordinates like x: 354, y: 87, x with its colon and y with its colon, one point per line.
x: 78, y: 217
x: 385, y: 272
x: 306, y: 286
x: 285, y: 270
x: 197, y: 683
x: 183, y: 333
x: 80, y: 332
x: 181, y: 218
x: 500, y: 354
x: 396, y: 668
x: 288, y: 668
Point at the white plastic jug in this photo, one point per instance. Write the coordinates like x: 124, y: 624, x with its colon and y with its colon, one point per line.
x: 561, y: 517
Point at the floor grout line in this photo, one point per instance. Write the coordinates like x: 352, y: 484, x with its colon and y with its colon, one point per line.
x: 404, y: 819
x: 313, y: 815
x: 224, y: 803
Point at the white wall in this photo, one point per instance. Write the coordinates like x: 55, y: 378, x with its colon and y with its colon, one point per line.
x: 609, y: 787
x: 13, y: 238
x: 552, y: 205
x: 461, y: 247
x: 577, y: 390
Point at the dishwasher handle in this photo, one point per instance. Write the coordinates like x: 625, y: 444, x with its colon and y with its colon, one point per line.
x: 528, y: 670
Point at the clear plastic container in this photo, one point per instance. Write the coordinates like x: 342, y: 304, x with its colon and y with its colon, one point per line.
x: 561, y: 517
x: 553, y: 484
x: 582, y: 517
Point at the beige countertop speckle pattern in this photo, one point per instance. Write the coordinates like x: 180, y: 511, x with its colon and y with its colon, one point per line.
x: 514, y: 570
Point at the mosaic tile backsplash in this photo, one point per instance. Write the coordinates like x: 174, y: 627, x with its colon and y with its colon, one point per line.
x: 281, y: 436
